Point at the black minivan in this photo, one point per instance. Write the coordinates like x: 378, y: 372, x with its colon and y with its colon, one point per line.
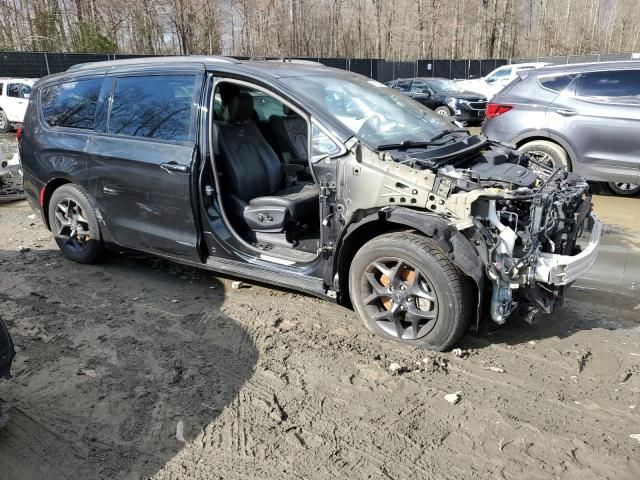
x: 302, y: 176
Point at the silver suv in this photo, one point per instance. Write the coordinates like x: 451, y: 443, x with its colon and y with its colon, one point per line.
x: 583, y: 117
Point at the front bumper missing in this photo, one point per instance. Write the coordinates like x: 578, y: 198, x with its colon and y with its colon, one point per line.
x: 555, y: 269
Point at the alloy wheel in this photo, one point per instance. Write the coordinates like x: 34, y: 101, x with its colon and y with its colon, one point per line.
x: 627, y: 187
x: 72, y: 225
x: 399, y: 298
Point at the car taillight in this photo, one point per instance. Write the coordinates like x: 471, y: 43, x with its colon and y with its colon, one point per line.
x: 19, y: 133
x: 495, y: 109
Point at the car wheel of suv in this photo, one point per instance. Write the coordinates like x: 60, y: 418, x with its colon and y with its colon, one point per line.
x: 5, y: 126
x: 547, y: 153
x: 444, y: 111
x: 72, y: 216
x: 405, y: 288
x: 624, y: 189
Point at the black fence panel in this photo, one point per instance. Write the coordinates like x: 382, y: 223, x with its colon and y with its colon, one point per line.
x: 475, y: 69
x: 441, y: 68
x: 39, y: 64
x: 22, y: 64
x: 458, y: 69
x: 425, y: 68
x: 341, y: 63
x: 363, y: 66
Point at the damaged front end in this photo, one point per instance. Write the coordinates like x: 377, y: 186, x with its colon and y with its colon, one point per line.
x: 531, y: 226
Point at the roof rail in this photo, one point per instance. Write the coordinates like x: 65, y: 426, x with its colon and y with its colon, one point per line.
x: 155, y: 59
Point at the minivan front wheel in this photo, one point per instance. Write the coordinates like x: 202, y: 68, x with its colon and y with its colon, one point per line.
x: 405, y: 288
x: 547, y: 153
x: 443, y: 111
x: 73, y: 221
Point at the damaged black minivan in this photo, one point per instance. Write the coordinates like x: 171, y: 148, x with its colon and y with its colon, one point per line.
x: 307, y: 177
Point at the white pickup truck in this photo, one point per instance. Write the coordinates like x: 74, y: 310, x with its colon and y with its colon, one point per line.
x: 14, y: 98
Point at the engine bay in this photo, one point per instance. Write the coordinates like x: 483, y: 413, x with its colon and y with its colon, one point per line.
x: 515, y: 211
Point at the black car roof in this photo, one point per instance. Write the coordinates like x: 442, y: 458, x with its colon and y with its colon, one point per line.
x: 271, y: 68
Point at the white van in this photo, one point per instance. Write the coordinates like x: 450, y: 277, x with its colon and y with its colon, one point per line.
x: 14, y: 98
x: 497, y: 79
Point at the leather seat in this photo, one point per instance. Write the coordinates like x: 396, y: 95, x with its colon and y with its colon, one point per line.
x: 291, y: 133
x: 253, y: 173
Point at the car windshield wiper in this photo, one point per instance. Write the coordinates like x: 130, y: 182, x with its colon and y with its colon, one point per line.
x: 406, y: 144
x: 447, y: 132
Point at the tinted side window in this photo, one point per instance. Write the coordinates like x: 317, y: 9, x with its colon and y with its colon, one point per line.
x: 156, y: 106
x: 1, y: 88
x: 71, y: 104
x: 13, y: 90
x: 622, y: 86
x: 557, y: 83
x: 403, y: 85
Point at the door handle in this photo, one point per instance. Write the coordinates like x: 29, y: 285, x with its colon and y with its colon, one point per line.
x: 174, y: 167
x: 566, y: 112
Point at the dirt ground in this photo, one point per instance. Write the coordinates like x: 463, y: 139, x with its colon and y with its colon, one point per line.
x: 139, y: 368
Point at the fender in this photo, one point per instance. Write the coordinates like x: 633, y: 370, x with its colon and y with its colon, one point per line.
x: 457, y: 246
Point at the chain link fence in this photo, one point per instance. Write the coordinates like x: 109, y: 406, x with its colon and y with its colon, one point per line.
x: 39, y: 64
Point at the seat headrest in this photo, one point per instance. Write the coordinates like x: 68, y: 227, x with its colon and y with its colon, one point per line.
x: 240, y: 107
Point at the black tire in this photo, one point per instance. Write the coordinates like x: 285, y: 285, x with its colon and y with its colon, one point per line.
x: 86, y: 245
x: 5, y: 126
x: 449, y: 314
x: 546, y: 151
x: 624, y: 189
x: 443, y: 111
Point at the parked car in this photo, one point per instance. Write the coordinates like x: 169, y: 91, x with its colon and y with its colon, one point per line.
x: 499, y: 78
x: 14, y: 98
x: 306, y: 177
x: 585, y: 118
x: 7, y: 351
x: 10, y: 179
x: 443, y: 96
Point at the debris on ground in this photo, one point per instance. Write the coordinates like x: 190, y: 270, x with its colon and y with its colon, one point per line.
x: 237, y: 285
x: 24, y: 249
x: 180, y: 432
x: 395, y: 368
x: 635, y: 436
x: 453, y: 398
x: 495, y: 369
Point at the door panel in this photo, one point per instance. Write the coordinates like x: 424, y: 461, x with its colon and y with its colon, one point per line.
x: 145, y: 205
x: 142, y: 165
x: 602, y: 131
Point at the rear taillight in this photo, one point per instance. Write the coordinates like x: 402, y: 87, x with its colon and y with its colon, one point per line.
x: 19, y: 133
x: 495, y: 109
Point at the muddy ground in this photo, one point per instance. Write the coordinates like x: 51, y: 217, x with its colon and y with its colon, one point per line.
x: 138, y: 368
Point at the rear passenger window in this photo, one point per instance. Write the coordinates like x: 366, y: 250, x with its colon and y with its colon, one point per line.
x: 621, y: 86
x: 71, y: 104
x: 156, y: 106
x: 557, y: 83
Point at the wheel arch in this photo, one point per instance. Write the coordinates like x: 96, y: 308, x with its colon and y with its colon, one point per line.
x: 51, y: 186
x: 391, y: 219
x: 549, y: 137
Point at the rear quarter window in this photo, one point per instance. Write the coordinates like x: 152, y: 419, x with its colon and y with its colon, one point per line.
x: 71, y: 104
x: 556, y: 83
x: 616, y: 86
x: 155, y: 106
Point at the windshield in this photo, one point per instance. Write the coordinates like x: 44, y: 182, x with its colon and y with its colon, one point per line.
x: 444, y: 85
x: 375, y: 113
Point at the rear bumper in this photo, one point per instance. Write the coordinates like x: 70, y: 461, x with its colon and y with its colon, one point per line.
x: 555, y: 269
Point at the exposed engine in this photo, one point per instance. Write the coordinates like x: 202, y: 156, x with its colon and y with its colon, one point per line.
x: 520, y: 211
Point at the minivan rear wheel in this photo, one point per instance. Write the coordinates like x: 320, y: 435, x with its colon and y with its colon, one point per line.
x: 625, y: 189
x: 73, y: 221
x: 548, y: 153
x: 443, y: 111
x: 405, y: 288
